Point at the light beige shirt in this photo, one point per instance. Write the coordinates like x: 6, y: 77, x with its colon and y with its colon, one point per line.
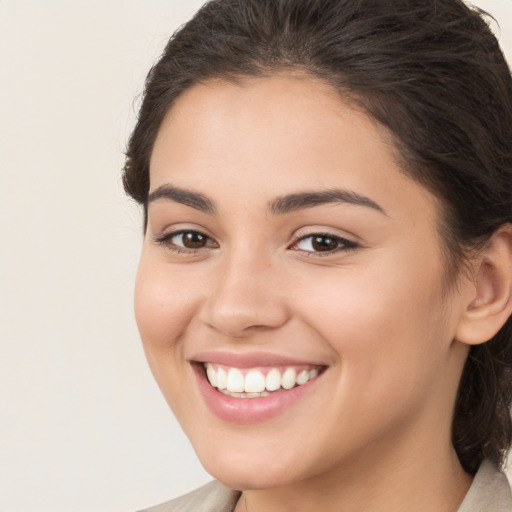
x: 489, y: 492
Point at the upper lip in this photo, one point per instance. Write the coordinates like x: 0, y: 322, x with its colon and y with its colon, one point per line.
x: 249, y: 359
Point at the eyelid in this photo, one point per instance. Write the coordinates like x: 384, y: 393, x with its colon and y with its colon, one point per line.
x: 165, y: 237
x: 345, y: 244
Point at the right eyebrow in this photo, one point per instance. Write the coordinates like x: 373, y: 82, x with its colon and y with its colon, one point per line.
x: 188, y: 198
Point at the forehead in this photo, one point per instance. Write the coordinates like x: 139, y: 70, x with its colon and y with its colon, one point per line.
x: 276, y: 135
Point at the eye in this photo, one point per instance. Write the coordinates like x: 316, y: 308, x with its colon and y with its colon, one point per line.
x: 190, y: 240
x: 186, y: 240
x: 323, y: 243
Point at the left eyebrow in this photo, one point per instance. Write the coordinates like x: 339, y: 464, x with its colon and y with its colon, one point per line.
x: 303, y: 200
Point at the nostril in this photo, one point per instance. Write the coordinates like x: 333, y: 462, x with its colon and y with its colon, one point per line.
x: 245, y: 317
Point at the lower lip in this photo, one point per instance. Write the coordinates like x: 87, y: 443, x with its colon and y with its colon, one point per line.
x: 249, y: 410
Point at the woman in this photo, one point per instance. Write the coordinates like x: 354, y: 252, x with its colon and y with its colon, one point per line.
x: 324, y: 291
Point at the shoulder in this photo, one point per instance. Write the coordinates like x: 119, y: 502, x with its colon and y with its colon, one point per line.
x: 212, y: 497
x: 489, y: 492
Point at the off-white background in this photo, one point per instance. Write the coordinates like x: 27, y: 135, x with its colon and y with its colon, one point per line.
x: 82, y: 425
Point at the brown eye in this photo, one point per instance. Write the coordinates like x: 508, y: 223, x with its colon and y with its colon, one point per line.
x: 186, y: 241
x: 323, y: 243
x: 193, y: 240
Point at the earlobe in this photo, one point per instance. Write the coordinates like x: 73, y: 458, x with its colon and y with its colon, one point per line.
x: 490, y: 294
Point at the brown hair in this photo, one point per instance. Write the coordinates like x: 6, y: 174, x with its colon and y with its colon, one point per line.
x: 432, y: 72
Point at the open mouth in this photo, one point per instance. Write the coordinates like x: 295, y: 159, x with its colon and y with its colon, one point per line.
x: 249, y: 388
x: 259, y: 382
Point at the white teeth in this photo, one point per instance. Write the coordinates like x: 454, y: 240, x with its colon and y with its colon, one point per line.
x: 235, y: 383
x: 255, y: 383
x: 273, y: 381
x: 222, y: 379
x: 288, y: 379
x: 303, y: 377
x: 212, y: 376
x: 245, y: 395
x: 251, y: 395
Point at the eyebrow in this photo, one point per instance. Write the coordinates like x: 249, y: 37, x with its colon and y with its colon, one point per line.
x: 303, y: 200
x: 279, y: 206
x: 187, y: 197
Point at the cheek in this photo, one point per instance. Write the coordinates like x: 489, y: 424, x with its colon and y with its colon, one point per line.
x: 164, y: 304
x: 382, y: 323
x: 389, y: 335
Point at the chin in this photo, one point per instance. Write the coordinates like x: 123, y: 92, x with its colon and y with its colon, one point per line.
x: 247, y: 477
x: 260, y: 467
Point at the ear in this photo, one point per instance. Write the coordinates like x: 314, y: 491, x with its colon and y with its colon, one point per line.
x: 487, y: 297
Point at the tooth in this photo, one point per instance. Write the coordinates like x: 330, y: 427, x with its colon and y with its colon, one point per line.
x: 212, y: 375
x: 235, y: 382
x: 252, y: 395
x: 222, y: 377
x: 254, y: 382
x: 303, y: 377
x: 273, y: 380
x: 288, y: 379
x: 228, y: 393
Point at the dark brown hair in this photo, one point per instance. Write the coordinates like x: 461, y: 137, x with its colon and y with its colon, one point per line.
x: 432, y: 72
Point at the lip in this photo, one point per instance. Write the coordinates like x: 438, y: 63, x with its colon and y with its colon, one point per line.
x: 250, y: 410
x: 250, y: 360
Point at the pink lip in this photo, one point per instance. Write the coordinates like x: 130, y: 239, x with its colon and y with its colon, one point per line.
x: 248, y: 360
x: 249, y: 410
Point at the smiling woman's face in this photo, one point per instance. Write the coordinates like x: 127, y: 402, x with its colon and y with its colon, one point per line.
x: 285, y: 249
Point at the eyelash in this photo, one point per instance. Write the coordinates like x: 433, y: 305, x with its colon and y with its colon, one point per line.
x: 165, y: 239
x: 343, y: 244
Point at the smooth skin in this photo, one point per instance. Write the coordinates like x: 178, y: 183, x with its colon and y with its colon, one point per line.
x: 358, y: 287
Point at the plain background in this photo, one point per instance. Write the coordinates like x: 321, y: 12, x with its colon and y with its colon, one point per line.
x: 82, y: 425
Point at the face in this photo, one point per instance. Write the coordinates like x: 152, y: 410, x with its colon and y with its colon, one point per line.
x: 289, y: 258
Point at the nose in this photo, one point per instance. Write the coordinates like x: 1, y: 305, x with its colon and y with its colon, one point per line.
x: 246, y: 297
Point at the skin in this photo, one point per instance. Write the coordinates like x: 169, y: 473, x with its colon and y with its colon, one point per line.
x: 375, y: 433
